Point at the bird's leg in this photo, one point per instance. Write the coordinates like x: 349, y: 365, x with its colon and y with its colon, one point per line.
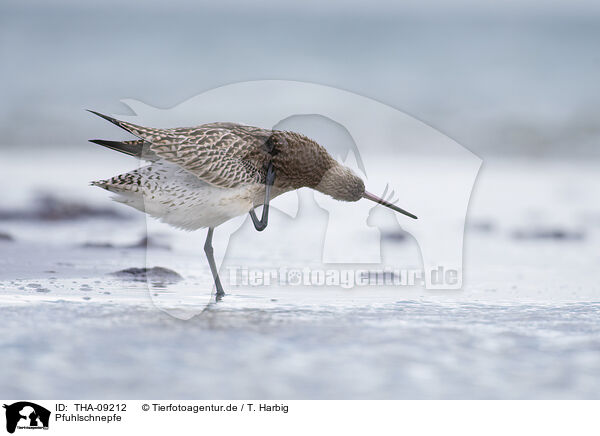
x: 208, y: 249
x: 262, y: 224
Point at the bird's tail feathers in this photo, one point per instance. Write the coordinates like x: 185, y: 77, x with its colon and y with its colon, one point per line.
x: 131, y: 128
x: 132, y: 148
x: 148, y: 134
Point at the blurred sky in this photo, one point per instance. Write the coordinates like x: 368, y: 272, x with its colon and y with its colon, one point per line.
x: 510, y: 78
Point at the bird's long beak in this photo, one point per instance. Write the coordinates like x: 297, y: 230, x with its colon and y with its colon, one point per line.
x: 376, y: 199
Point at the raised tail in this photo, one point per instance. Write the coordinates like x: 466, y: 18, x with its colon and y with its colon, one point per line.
x: 148, y: 134
x: 132, y: 148
x: 138, y: 148
x: 134, y: 129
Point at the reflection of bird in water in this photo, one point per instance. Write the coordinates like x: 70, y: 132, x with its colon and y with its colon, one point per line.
x: 203, y: 176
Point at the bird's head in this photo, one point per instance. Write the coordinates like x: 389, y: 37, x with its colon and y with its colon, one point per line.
x: 341, y: 183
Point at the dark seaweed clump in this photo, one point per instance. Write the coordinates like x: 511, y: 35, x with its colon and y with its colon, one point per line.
x: 52, y: 208
x: 157, y: 274
x: 549, y: 234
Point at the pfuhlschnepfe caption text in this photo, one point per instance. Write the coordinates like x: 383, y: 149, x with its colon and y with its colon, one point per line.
x: 89, y: 412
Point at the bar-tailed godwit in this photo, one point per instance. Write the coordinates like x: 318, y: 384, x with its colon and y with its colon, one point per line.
x: 202, y: 176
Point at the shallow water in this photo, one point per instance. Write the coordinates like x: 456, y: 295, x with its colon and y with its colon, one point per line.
x: 405, y: 349
x: 525, y: 324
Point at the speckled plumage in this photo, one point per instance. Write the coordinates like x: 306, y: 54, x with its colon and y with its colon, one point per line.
x: 202, y: 176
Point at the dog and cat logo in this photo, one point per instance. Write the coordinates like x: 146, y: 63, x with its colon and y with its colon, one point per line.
x: 26, y: 415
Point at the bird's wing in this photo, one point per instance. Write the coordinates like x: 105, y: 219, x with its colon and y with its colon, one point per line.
x: 223, y: 154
